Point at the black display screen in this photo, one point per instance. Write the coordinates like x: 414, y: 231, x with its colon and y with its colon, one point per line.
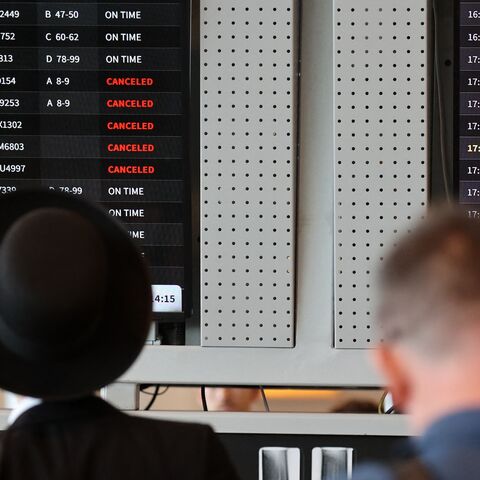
x: 94, y: 100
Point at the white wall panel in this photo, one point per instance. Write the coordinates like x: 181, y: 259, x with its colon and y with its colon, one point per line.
x: 381, y: 154
x: 248, y: 142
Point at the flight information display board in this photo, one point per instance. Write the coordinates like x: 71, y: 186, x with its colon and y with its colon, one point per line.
x: 468, y: 106
x: 94, y: 100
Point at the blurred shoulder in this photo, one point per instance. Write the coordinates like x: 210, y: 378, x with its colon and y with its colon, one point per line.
x: 197, y: 442
x: 168, y: 427
x: 373, y: 471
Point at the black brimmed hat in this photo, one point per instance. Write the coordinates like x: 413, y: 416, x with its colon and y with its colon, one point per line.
x: 75, y: 296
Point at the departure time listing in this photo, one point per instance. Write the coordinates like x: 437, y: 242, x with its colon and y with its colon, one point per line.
x: 93, y: 103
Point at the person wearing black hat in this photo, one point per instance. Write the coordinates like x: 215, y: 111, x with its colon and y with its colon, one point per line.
x: 75, y: 310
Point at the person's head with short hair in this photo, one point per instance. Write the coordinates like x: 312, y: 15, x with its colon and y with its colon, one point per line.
x: 429, y: 318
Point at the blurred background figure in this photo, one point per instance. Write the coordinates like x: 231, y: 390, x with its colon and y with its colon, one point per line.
x: 356, y: 405
x: 231, y: 399
x: 429, y: 352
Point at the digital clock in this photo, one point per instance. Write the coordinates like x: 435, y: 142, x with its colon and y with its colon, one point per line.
x: 167, y: 298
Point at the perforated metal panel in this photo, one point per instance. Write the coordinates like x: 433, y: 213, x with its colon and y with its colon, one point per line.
x: 380, y: 146
x: 248, y: 129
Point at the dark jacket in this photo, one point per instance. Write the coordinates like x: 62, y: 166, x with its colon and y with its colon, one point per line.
x: 88, y: 439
